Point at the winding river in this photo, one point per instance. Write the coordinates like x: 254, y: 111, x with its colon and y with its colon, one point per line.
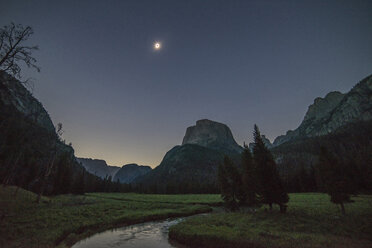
x: 152, y: 234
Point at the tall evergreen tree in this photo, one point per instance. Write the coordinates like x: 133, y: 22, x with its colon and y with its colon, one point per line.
x: 334, y: 178
x: 249, y: 178
x: 230, y: 183
x: 271, y: 188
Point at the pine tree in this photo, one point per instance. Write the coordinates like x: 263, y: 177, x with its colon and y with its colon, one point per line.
x: 271, y: 188
x: 249, y: 178
x: 334, y: 178
x: 230, y: 183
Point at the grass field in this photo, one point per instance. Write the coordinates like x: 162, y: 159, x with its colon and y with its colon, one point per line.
x: 311, y: 221
x: 206, y: 199
x: 65, y: 219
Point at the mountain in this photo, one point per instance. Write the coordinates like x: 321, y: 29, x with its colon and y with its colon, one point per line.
x: 351, y: 144
x: 98, y: 167
x: 342, y: 123
x: 333, y: 111
x: 20, y: 110
x: 192, y: 166
x: 130, y: 172
x: 211, y: 134
x: 32, y: 155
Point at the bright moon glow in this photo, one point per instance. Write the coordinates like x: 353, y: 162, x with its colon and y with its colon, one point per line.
x: 157, y: 45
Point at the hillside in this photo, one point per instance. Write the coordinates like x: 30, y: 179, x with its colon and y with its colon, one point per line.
x: 98, y: 167
x: 335, y: 110
x: 32, y: 155
x: 129, y: 172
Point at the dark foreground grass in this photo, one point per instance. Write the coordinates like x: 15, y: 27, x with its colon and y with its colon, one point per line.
x: 312, y: 221
x: 63, y: 220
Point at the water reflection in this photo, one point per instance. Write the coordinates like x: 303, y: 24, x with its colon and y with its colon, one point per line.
x: 150, y: 234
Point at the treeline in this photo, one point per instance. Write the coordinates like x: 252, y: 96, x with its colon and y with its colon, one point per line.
x: 36, y: 159
x: 257, y: 181
x: 350, y: 144
x: 176, y: 188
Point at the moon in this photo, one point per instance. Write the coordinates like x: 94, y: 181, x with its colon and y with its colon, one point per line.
x: 157, y: 45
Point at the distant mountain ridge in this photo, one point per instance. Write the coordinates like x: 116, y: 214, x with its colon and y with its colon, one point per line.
x: 327, y: 114
x: 130, y: 172
x: 98, y: 167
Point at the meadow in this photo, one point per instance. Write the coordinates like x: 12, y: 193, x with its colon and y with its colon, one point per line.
x: 311, y: 221
x: 62, y: 220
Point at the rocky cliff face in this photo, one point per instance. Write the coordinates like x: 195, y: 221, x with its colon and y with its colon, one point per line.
x: 212, y: 135
x: 192, y: 167
x: 15, y: 96
x: 327, y: 114
x: 98, y: 167
x: 129, y: 172
x: 13, y: 93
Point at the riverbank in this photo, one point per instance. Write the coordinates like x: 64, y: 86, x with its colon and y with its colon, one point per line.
x: 311, y: 221
x: 63, y: 220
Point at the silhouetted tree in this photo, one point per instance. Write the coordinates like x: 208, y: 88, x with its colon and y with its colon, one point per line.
x: 249, y: 178
x: 230, y: 183
x: 53, y: 138
x: 334, y: 178
x: 271, y: 188
x: 13, y: 49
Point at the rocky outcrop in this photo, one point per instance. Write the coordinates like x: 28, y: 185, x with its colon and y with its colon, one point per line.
x: 211, y: 134
x: 98, y: 167
x: 192, y: 167
x: 327, y: 114
x: 130, y: 172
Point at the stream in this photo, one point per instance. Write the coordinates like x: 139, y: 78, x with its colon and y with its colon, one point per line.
x: 152, y: 234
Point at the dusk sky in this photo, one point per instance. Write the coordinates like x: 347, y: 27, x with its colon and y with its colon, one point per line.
x: 235, y: 62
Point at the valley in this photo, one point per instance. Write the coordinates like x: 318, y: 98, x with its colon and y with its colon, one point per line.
x: 63, y: 220
x: 311, y: 221
x: 206, y: 124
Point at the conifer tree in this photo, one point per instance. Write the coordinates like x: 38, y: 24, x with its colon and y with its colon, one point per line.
x: 230, y: 183
x: 78, y: 186
x: 271, y: 188
x: 249, y: 178
x: 335, y: 180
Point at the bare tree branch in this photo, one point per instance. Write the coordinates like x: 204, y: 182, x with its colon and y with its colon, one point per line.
x: 13, y: 50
